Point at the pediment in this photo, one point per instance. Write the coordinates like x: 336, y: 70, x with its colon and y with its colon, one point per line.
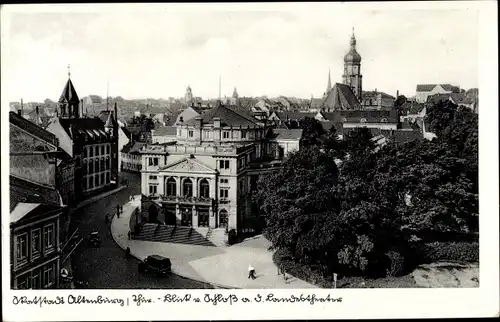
x: 188, y: 165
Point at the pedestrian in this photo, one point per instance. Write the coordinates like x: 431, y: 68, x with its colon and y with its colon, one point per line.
x: 251, y: 272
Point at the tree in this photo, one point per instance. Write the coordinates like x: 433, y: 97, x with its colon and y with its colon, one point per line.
x: 312, y: 130
x: 399, y: 103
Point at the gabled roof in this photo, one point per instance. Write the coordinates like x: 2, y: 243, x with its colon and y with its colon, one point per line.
x: 32, y: 128
x: 133, y: 147
x: 227, y: 116
x: 341, y: 97
x: 69, y: 94
x: 430, y: 87
x: 368, y: 94
x: 91, y: 127
x: 187, y: 165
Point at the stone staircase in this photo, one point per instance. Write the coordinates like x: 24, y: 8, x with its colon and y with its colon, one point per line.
x: 182, y: 235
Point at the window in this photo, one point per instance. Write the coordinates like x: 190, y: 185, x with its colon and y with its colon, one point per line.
x: 224, y: 181
x: 22, y: 247
x: 363, y: 120
x: 36, y: 280
x: 102, y: 178
x: 187, y: 188
x: 224, y: 193
x: 91, y: 182
x: 224, y: 164
x: 204, y: 188
x: 102, y: 164
x: 153, y: 178
x: 84, y: 183
x: 243, y: 134
x: 23, y: 282
x: 190, y: 134
x: 84, y: 153
x: 91, y: 166
x: 102, y: 149
x: 153, y: 189
x: 107, y: 177
x: 48, y: 275
x: 36, y: 244
x: 206, y: 134
x: 108, y: 148
x: 225, y: 134
x: 96, y: 180
x: 91, y: 152
x: 384, y: 120
x: 96, y: 165
x: 96, y: 151
x: 153, y: 161
x: 48, y: 236
x: 171, y: 187
x: 108, y: 162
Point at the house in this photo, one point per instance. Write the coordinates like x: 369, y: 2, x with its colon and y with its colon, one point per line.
x: 426, y: 90
x: 284, y: 141
x: 377, y: 100
x: 35, y: 213
x: 188, y: 114
x: 35, y: 156
x: 92, y: 143
x: 163, y: 134
x: 123, y: 138
x: 131, y: 157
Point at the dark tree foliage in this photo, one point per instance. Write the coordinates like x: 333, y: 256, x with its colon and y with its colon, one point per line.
x: 146, y: 123
x: 312, y: 130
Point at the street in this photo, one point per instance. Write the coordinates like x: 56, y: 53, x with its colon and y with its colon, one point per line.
x: 107, y: 267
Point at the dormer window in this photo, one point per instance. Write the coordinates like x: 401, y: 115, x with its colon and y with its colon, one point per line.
x: 363, y: 120
x: 384, y: 120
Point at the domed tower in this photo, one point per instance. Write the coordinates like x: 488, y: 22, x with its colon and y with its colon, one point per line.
x: 189, y: 95
x: 352, y: 69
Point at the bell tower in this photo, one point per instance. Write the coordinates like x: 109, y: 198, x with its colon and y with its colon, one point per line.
x: 69, y: 103
x: 352, y: 69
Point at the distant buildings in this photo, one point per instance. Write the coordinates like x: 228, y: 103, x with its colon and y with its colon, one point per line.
x: 426, y: 90
x: 131, y: 157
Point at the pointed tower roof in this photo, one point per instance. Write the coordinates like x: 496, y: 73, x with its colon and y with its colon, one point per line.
x: 69, y: 94
x: 329, y: 85
x: 352, y: 56
x: 110, y: 121
x: 235, y: 93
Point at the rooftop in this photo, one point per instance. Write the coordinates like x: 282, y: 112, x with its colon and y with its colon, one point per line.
x: 341, y: 97
x: 32, y: 128
x: 228, y: 117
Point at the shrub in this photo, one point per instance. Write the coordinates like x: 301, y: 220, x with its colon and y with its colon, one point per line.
x: 284, y: 259
x: 396, y: 264
x: 450, y: 251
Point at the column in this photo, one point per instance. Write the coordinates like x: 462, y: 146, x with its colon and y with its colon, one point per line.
x: 161, y: 185
x: 195, y: 186
x: 178, y: 186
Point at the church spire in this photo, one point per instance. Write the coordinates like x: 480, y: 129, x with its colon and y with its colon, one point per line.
x: 329, y: 84
x: 353, y: 39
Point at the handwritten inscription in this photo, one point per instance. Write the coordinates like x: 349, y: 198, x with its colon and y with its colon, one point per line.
x: 141, y: 299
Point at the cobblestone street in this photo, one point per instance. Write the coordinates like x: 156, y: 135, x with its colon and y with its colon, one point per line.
x: 107, y: 266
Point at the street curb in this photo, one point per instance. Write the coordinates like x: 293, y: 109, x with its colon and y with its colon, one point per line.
x: 173, y: 271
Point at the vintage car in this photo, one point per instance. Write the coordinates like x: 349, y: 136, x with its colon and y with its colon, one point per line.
x: 94, y: 239
x: 156, y: 264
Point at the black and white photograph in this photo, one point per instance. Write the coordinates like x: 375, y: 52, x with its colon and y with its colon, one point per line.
x: 328, y: 150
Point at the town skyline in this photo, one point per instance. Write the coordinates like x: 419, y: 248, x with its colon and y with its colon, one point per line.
x: 249, y: 50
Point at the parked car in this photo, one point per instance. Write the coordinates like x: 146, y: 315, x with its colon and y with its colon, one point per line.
x: 94, y: 239
x: 156, y: 264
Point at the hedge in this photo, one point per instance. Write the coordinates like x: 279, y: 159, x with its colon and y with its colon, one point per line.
x: 450, y: 251
x: 283, y: 259
x: 396, y: 264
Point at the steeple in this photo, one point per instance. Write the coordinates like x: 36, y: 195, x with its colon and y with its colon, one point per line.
x: 69, y: 101
x: 352, y: 69
x: 235, y: 93
x: 329, y: 85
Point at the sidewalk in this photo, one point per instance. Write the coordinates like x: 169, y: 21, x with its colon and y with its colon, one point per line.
x: 225, y: 267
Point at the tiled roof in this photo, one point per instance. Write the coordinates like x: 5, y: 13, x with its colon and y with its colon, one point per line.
x: 425, y: 87
x: 341, y: 97
x: 355, y: 116
x: 69, y: 94
x: 287, y: 134
x: 133, y: 147
x: 91, y: 127
x: 32, y: 128
x: 436, y: 98
x: 316, y: 102
x: 30, y: 192
x: 452, y: 88
x: 461, y: 98
x: 161, y: 130
x: 227, y: 116
x: 369, y: 94
x: 294, y: 115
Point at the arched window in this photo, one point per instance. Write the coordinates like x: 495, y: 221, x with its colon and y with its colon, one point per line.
x: 171, y: 187
x: 187, y: 188
x: 223, y: 218
x: 204, y: 188
x: 97, y: 165
x: 91, y: 152
x: 91, y: 166
x: 107, y: 163
x: 102, y: 164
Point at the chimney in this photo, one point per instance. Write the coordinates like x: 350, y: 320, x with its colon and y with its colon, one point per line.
x: 21, y: 107
x: 116, y: 114
x: 397, y: 93
x: 37, y: 111
x: 19, y: 112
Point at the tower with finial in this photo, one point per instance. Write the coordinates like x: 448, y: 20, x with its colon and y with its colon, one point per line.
x: 69, y: 102
x: 235, y: 97
x: 352, y: 69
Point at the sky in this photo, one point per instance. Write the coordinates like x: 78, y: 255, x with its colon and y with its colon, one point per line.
x: 157, y: 51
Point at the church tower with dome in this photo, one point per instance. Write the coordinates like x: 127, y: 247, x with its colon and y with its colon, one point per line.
x: 352, y: 69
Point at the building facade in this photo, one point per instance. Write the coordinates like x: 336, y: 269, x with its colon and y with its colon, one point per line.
x: 202, y: 180
x: 131, y: 157
x: 92, y: 143
x: 426, y: 90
